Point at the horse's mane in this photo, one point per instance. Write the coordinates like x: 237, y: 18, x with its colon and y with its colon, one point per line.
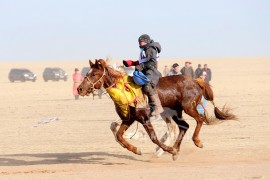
x: 114, y: 73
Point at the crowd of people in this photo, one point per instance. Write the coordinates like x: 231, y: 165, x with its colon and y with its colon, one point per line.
x: 187, y: 70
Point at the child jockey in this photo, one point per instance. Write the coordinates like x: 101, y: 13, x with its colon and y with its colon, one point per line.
x: 147, y: 64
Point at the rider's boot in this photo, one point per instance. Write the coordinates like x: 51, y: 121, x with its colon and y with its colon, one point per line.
x: 155, y: 102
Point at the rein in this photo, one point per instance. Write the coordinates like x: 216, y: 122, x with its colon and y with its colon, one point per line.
x: 99, y: 80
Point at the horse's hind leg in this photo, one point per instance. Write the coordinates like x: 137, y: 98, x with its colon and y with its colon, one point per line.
x: 119, y: 136
x: 168, y: 136
x: 192, y: 111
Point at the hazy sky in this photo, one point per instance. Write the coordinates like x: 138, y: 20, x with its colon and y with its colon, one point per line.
x: 82, y: 29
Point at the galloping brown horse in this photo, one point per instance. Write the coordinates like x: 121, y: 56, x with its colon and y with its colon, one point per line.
x: 176, y: 93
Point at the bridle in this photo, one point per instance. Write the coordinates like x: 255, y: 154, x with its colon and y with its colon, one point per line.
x: 93, y: 84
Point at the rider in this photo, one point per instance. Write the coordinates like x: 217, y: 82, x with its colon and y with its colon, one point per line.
x: 147, y: 64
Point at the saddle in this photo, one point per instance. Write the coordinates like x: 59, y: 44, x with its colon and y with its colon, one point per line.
x: 127, y: 93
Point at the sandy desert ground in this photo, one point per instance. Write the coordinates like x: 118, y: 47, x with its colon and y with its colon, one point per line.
x: 80, y: 144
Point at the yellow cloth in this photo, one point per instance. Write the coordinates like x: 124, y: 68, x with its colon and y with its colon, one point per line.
x: 126, y: 93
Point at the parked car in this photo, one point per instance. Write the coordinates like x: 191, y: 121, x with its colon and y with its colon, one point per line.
x: 54, y: 74
x: 85, y: 70
x: 21, y: 75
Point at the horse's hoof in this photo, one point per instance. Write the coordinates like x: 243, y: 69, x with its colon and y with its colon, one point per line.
x: 174, y: 151
x: 200, y: 145
x: 113, y: 127
x: 175, y: 157
x: 138, y: 151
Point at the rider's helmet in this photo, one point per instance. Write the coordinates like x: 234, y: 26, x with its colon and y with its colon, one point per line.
x: 144, y: 38
x: 139, y: 78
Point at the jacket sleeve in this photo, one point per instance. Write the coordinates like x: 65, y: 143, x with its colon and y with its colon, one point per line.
x: 182, y: 70
x: 151, y: 54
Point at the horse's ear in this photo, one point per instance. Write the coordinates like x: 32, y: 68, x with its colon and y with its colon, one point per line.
x: 102, y: 62
x: 96, y: 62
x: 90, y: 63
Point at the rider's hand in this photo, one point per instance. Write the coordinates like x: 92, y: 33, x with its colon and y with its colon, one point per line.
x: 128, y: 63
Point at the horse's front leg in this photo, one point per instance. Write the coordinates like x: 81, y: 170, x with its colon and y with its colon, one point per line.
x: 119, y: 136
x: 150, y: 130
x: 114, y: 126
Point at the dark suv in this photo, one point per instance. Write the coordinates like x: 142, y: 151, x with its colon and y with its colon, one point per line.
x: 54, y: 74
x: 21, y: 75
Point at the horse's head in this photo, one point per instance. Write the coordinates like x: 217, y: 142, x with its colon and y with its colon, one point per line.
x: 94, y: 79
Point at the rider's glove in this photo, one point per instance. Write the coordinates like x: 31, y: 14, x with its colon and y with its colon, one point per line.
x: 129, y: 63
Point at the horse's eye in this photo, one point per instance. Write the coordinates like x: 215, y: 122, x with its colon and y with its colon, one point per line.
x: 93, y: 74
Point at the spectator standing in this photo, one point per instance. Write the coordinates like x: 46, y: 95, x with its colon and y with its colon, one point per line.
x: 188, y: 70
x: 202, y: 106
x: 208, y: 72
x: 77, y: 79
x: 198, y: 71
x: 166, y: 70
x: 175, y: 70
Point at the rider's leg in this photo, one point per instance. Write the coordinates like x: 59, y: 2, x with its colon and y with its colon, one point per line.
x: 154, y: 100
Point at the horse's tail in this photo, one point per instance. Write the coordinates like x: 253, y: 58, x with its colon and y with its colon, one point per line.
x: 225, y: 113
x: 207, y: 91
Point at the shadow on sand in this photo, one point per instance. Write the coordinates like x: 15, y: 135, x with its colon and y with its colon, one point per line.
x: 101, y: 158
